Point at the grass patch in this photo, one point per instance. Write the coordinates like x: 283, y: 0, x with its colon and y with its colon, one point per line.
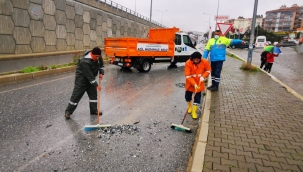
x: 42, y: 67
x: 252, y: 68
x: 233, y: 56
x: 76, y: 58
x: 245, y: 65
x: 29, y: 69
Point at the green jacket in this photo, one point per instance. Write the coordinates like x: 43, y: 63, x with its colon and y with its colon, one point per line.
x: 87, y: 69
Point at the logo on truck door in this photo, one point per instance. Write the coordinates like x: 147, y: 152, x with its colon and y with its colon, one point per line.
x: 179, y: 49
x: 152, y: 47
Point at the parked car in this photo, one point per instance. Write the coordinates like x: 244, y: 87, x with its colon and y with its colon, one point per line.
x: 287, y: 44
x: 246, y: 45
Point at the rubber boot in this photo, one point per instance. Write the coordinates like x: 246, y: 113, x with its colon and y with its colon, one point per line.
x: 194, y: 112
x: 190, y: 108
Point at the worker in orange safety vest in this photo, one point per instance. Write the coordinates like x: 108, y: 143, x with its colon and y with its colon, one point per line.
x: 196, y: 71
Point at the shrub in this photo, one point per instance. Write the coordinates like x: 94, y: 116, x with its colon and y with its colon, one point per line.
x: 75, y: 59
x: 42, y: 67
x: 248, y: 67
x: 53, y: 66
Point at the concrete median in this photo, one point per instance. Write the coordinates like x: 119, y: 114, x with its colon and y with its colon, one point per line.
x: 18, y: 77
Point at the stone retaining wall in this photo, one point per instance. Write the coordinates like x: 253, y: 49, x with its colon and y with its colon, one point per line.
x: 38, y: 26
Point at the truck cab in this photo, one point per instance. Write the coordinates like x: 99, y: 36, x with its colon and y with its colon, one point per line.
x: 184, y: 47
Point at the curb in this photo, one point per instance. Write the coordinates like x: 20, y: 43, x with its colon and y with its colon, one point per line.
x: 201, y: 142
x: 197, y: 163
x: 13, y: 78
x: 36, y: 55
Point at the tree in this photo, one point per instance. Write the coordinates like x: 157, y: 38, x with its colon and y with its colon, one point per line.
x: 270, y: 36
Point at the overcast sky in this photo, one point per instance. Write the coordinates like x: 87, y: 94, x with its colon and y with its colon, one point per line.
x: 188, y: 14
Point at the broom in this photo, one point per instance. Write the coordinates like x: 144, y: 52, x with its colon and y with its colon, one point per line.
x: 98, y: 126
x: 181, y: 127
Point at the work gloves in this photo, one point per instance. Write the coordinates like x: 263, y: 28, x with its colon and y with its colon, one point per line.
x: 197, y: 87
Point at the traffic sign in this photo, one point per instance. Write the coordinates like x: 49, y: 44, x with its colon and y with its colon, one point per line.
x: 222, y: 17
x: 224, y: 28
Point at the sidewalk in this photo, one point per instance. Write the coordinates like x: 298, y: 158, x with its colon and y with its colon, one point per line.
x: 255, y: 124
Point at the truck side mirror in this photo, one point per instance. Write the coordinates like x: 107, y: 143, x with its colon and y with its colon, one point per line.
x: 195, y: 43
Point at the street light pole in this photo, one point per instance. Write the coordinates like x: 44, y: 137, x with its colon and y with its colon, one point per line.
x: 209, y: 35
x: 217, y: 15
x: 151, y: 8
x: 162, y: 15
x: 252, y: 34
x: 175, y: 21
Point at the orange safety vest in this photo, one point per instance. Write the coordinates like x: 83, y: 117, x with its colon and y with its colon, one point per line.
x: 193, y: 73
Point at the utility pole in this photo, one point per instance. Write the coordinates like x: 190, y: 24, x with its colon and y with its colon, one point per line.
x: 252, y: 34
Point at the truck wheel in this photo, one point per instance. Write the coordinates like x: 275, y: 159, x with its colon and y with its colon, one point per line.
x: 145, y: 66
x: 233, y: 47
x: 173, y: 63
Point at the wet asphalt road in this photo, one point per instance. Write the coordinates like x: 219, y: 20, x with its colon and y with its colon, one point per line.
x: 36, y: 137
x: 287, y: 67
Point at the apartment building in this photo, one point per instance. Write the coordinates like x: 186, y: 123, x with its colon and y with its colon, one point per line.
x: 245, y: 23
x: 242, y: 24
x: 284, y: 19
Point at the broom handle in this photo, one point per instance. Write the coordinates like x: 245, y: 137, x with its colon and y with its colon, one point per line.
x: 98, y: 108
x: 190, y: 105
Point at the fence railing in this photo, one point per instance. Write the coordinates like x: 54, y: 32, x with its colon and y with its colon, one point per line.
x: 122, y: 8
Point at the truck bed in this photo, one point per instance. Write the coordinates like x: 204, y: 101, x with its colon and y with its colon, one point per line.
x: 159, y: 43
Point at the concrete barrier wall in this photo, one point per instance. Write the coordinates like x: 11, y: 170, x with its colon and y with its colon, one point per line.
x: 38, y: 26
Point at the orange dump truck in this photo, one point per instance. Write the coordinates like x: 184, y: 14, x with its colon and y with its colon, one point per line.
x: 162, y: 45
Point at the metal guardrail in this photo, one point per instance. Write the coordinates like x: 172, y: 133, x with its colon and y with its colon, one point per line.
x: 122, y: 8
